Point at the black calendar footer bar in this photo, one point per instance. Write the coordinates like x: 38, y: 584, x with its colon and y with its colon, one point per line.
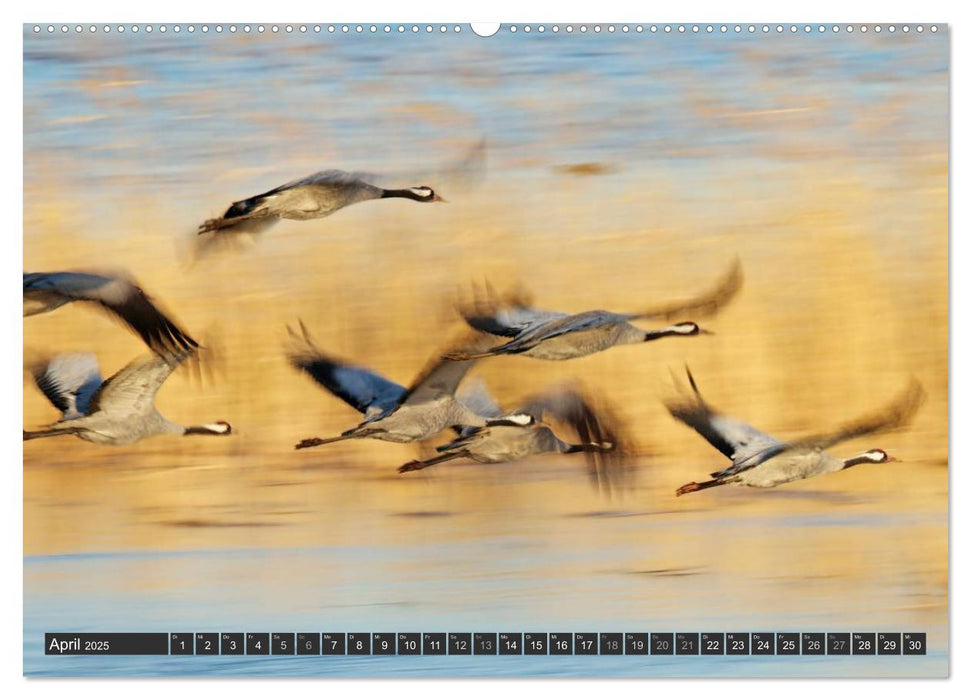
x: 486, y: 643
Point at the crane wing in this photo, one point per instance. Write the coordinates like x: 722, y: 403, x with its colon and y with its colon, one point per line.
x: 460, y: 174
x: 442, y: 376
x: 69, y: 382
x: 553, y: 328
x: 746, y: 446
x: 588, y: 321
x: 505, y: 314
x: 475, y: 394
x: 594, y: 422
x: 358, y: 387
x: 131, y: 391
x: 120, y: 296
x: 702, y: 305
x: 896, y: 414
x: 220, y: 241
x: 337, y: 178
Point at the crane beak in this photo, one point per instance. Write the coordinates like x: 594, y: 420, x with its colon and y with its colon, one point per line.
x: 437, y: 198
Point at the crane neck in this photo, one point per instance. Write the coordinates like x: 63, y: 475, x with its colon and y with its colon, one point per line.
x: 207, y: 429
x: 407, y: 194
x: 676, y: 329
x: 588, y: 447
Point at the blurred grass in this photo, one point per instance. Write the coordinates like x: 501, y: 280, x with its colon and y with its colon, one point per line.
x: 832, y: 320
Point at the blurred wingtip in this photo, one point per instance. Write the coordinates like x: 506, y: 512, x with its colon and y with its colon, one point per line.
x: 206, y: 363
x: 466, y: 172
x: 208, y: 246
x: 691, y: 380
x: 300, y: 348
x: 483, y: 298
x: 912, y: 398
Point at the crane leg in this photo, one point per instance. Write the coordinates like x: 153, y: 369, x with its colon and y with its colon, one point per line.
x: 53, y: 432
x: 695, y: 486
x: 314, y: 441
x: 417, y: 464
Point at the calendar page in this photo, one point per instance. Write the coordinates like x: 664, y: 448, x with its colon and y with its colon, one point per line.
x: 443, y: 350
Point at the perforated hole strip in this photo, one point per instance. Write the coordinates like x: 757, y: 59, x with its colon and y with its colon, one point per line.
x: 419, y: 29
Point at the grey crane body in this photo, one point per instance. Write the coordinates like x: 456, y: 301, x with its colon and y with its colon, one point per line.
x: 553, y: 335
x: 524, y: 433
x: 506, y: 441
x: 391, y: 412
x: 762, y: 461
x: 794, y: 465
x: 104, y: 429
x: 311, y: 197
x: 118, y: 411
x: 791, y: 464
x: 116, y: 293
x: 584, y: 334
x: 418, y: 421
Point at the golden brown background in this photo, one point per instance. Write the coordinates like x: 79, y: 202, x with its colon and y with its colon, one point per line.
x: 827, y: 177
